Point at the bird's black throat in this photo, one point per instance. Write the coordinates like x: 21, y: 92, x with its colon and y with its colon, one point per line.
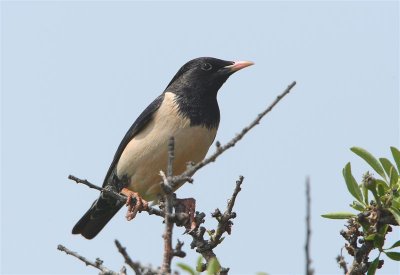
x: 201, y: 108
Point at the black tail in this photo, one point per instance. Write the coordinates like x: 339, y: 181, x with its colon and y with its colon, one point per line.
x: 98, y: 215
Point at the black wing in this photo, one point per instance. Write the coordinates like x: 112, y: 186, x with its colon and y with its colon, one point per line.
x: 138, y: 125
x: 105, y: 207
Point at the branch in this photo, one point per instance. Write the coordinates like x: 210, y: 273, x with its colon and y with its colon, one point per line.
x: 342, y: 263
x: 220, y: 149
x: 205, y: 247
x: 354, y: 236
x: 136, y: 266
x: 224, y: 220
x: 178, y: 252
x: 120, y: 197
x: 309, y: 270
x: 168, y: 208
x: 98, y: 264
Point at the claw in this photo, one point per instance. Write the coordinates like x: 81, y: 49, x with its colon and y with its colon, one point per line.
x: 134, y: 206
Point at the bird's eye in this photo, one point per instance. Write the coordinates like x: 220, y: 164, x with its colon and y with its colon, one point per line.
x: 206, y: 66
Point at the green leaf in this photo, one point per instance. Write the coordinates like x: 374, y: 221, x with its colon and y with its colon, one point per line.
x: 390, y: 171
x: 381, y: 191
x: 370, y: 159
x: 396, y: 203
x: 393, y: 255
x: 199, y: 264
x: 261, y: 273
x: 396, y: 244
x: 370, y: 237
x: 396, y: 213
x: 351, y: 183
x: 378, y: 241
x: 396, y: 157
x: 382, y: 183
x: 383, y: 229
x: 397, y: 185
x: 365, y: 225
x: 394, y: 177
x: 339, y: 215
x: 387, y: 165
x: 186, y: 268
x: 213, y: 267
x: 382, y: 187
x: 365, y: 193
x: 358, y: 206
x: 374, y: 265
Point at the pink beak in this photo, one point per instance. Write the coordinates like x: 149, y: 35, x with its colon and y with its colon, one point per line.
x: 238, y: 65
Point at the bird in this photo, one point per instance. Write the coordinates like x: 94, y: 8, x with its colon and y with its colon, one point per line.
x: 188, y: 111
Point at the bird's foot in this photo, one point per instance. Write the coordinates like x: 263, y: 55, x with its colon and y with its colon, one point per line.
x: 187, y: 206
x: 134, y: 202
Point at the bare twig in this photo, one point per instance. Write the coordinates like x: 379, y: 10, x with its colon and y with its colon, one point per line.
x: 136, y: 266
x: 220, y: 149
x: 342, y: 263
x: 178, y: 252
x: 122, y: 198
x: 109, y: 192
x: 97, y: 264
x: 168, y: 208
x: 224, y: 220
x: 309, y: 270
x: 91, y: 185
x: 205, y: 247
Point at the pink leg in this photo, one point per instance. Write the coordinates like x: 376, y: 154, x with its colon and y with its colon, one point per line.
x: 139, y: 206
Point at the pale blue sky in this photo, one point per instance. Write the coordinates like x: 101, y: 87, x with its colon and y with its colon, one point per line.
x: 75, y: 75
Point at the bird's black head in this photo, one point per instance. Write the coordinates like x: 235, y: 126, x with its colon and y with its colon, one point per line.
x: 204, y: 76
x: 196, y: 84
